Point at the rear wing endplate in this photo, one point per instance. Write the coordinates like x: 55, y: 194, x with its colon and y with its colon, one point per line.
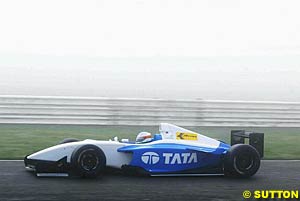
x: 255, y: 139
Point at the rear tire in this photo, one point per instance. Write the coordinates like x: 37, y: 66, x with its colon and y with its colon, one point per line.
x: 241, y: 160
x: 87, y: 161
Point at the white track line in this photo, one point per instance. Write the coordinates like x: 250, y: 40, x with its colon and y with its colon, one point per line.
x: 280, y: 160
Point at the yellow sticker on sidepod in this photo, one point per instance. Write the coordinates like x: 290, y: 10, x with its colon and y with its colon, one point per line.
x: 186, y: 136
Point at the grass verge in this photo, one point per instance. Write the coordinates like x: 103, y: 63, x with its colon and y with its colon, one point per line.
x: 16, y: 141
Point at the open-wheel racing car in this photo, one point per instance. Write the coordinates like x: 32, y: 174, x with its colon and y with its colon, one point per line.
x: 175, y: 151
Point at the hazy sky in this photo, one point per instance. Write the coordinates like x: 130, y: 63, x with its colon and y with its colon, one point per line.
x: 248, y: 50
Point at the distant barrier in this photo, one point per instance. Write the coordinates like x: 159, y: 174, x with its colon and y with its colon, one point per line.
x: 133, y: 111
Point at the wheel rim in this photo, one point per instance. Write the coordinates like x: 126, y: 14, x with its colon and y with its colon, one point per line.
x: 88, y: 160
x: 244, y: 162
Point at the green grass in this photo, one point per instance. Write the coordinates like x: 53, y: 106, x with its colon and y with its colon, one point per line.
x: 16, y: 141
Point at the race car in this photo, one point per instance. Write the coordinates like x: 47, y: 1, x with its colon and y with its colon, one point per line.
x: 174, y: 151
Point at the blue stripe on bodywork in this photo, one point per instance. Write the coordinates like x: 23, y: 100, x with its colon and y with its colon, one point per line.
x: 171, y: 157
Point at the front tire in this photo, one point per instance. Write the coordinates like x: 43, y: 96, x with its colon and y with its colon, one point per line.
x: 68, y: 140
x: 87, y: 161
x: 241, y: 160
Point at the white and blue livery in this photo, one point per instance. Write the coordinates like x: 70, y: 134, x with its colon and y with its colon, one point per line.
x: 174, y: 151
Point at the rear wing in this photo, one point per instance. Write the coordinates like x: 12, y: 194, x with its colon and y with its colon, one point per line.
x: 254, y: 139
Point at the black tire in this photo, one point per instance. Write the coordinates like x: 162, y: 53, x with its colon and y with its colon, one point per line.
x: 87, y: 161
x: 241, y: 160
x: 67, y: 140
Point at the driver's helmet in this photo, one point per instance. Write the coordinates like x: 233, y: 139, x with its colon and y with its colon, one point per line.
x: 143, y: 137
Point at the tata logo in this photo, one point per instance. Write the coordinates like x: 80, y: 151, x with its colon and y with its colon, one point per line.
x: 180, y: 158
x: 170, y: 158
x: 150, y: 158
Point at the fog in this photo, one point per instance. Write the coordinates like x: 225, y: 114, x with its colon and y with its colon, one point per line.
x: 236, y: 78
x: 238, y: 50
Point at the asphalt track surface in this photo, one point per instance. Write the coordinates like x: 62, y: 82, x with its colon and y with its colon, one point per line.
x: 18, y: 184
